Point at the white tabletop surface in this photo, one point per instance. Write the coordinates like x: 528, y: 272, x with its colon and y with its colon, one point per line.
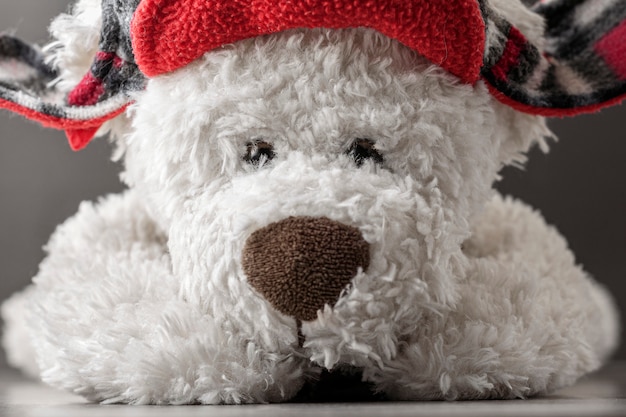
x: 601, y: 394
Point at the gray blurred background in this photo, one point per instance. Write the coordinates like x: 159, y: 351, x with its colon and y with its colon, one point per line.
x: 579, y: 186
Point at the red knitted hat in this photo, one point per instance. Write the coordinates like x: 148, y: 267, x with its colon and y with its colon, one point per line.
x: 582, y: 69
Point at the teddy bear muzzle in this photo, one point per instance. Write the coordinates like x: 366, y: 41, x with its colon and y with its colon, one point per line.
x: 300, y: 264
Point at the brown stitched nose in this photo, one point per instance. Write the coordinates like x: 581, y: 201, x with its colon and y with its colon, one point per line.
x: 302, y: 263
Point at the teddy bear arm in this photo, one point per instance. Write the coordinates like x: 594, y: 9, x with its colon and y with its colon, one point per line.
x: 530, y: 320
x: 77, y: 255
x: 105, y: 320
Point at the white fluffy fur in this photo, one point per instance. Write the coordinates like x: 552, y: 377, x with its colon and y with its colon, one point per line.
x: 142, y: 298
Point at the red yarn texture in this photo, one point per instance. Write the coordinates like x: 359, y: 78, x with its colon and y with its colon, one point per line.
x: 169, y: 34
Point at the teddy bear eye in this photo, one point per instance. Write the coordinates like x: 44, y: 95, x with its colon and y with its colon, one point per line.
x: 362, y: 149
x: 258, y: 152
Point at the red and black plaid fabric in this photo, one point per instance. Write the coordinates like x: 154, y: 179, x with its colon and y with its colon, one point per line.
x: 583, y: 67
x: 27, y: 87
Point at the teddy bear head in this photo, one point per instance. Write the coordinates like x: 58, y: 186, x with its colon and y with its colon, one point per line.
x: 315, y: 167
x: 314, y: 174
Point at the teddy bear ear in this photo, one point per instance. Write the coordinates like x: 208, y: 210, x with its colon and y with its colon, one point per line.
x: 581, y: 68
x: 27, y: 83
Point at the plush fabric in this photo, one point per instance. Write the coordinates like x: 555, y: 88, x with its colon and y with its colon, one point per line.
x: 251, y: 171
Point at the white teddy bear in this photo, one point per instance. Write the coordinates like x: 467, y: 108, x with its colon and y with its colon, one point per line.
x: 310, y: 198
